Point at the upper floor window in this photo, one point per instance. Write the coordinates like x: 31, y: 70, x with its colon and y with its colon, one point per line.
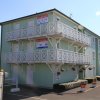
x: 31, y: 23
x: 58, y: 45
x: 92, y: 41
x: 75, y: 49
x: 9, y: 28
x: 16, y: 26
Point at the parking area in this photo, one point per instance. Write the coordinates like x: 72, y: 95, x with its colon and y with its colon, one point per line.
x: 27, y: 93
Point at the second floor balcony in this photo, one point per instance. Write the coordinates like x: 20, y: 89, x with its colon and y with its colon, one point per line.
x: 49, y: 29
x: 48, y: 56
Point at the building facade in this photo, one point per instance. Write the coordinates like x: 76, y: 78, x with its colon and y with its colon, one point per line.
x: 48, y: 48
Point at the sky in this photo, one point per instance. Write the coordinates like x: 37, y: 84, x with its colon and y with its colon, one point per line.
x: 86, y: 12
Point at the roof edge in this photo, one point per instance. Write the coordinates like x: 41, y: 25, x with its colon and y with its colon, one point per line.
x: 1, y: 23
x: 77, y: 22
x: 26, y: 16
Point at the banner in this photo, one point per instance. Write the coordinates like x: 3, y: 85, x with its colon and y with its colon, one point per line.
x: 42, y: 43
x: 43, y: 18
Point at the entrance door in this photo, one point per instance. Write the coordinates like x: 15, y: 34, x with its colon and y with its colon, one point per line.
x: 29, y: 77
x: 14, y: 73
x: 81, y: 74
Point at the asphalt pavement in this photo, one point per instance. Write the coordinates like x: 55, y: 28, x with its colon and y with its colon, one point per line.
x: 27, y: 93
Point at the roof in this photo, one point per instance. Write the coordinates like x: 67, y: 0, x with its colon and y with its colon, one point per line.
x: 76, y: 22
x: 26, y: 16
x: 45, y: 12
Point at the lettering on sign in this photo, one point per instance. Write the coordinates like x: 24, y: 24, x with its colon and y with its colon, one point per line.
x: 43, y: 18
x: 42, y: 43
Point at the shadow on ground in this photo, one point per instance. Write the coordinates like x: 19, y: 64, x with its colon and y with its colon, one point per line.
x: 28, y: 92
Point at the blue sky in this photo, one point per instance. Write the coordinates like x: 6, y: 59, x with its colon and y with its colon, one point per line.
x: 86, y: 12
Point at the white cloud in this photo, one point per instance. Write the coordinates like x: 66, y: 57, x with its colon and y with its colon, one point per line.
x: 98, y: 13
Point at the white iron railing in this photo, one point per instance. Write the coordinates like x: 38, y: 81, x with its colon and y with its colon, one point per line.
x: 48, y: 56
x: 51, y: 28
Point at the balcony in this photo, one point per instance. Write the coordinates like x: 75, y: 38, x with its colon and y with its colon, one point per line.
x: 50, y: 29
x: 48, y: 56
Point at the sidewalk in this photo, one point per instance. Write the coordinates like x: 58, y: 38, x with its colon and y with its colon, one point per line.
x: 27, y: 93
x: 76, y: 90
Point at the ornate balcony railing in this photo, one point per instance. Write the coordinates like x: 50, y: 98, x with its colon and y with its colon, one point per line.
x: 48, y: 56
x: 51, y: 28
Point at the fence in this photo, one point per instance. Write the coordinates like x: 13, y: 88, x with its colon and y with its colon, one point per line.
x: 50, y: 55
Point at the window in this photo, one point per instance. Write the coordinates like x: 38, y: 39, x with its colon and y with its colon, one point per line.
x: 9, y: 28
x: 94, y: 55
x: 31, y: 23
x: 92, y: 41
x: 58, y: 45
x: 75, y: 48
x: 16, y: 26
x: 84, y: 50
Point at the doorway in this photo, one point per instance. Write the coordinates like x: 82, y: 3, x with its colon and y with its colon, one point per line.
x: 29, y: 76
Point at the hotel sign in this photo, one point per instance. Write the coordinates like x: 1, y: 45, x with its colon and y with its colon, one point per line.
x: 43, y: 18
x: 42, y: 43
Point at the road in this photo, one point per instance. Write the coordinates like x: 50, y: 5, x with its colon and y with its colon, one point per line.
x: 41, y: 94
